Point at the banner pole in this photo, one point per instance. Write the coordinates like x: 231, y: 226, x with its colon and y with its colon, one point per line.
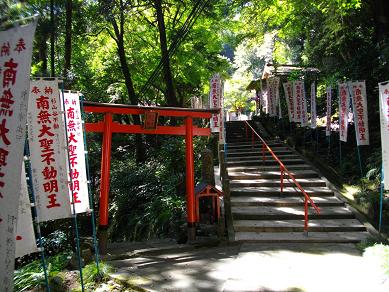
x: 91, y: 201
x: 329, y: 145
x: 74, y: 215
x: 340, y: 152
x: 381, y: 198
x: 360, y: 161
x: 36, y: 221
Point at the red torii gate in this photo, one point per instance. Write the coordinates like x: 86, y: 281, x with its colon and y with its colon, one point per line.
x: 108, y: 126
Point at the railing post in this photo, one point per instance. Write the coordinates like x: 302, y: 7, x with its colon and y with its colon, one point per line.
x: 226, y: 197
x: 305, y: 216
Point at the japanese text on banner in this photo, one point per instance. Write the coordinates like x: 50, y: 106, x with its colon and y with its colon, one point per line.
x: 15, y: 63
x: 46, y: 138
x: 79, y: 185
x: 344, y: 105
x: 358, y: 90
x: 313, y: 105
x: 384, y: 117
x: 214, y: 101
x: 297, y: 95
x: 329, y: 102
x: 288, y: 88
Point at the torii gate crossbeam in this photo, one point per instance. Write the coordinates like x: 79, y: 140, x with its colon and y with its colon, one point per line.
x: 108, y: 127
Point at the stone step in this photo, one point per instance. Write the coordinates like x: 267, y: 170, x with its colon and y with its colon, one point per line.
x: 268, y: 168
x: 276, y: 182
x: 257, y: 162
x: 258, y: 152
x: 253, y: 174
x: 281, y: 157
x: 313, y: 237
x: 276, y: 191
x: 288, y: 213
x: 249, y: 144
x: 324, y: 225
x: 284, y: 201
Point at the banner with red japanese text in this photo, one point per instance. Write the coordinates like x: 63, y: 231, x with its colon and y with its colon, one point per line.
x: 15, y: 62
x: 79, y: 182
x: 25, y: 236
x: 329, y: 101
x: 222, y: 133
x: 46, y: 137
x: 298, y: 95
x: 304, y: 110
x: 358, y: 92
x: 288, y: 89
x: 272, y: 95
x: 214, y: 101
x: 384, y: 117
x: 313, y: 105
x: 344, y: 105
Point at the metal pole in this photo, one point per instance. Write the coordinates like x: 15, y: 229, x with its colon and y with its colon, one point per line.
x: 360, y: 161
x: 340, y: 152
x: 190, y: 199
x: 91, y: 201
x: 37, y: 223
x: 74, y: 215
x: 381, y: 198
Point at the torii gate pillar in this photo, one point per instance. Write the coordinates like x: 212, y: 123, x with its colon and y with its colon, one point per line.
x: 190, y: 198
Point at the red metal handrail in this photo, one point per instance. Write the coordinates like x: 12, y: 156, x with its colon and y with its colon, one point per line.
x: 283, y: 170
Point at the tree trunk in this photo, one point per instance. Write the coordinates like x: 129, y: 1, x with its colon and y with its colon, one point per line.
x: 170, y: 92
x: 52, y: 38
x: 68, y: 43
x: 42, y: 56
x: 140, y: 153
x: 381, y: 19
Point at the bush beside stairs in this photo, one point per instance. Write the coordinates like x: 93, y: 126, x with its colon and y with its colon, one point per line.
x: 262, y: 213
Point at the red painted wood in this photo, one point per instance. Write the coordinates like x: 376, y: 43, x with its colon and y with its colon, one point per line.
x: 190, y: 197
x: 105, y: 170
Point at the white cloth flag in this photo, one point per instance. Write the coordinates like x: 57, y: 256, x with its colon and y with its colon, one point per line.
x: 25, y: 236
x: 288, y: 89
x: 313, y: 106
x: 46, y: 137
x: 79, y: 185
x: 270, y: 97
x: 276, y: 94
x: 384, y: 117
x: 304, y: 112
x: 329, y: 101
x: 344, y: 105
x: 358, y: 90
x: 298, y: 96
x: 15, y: 63
x: 214, y: 101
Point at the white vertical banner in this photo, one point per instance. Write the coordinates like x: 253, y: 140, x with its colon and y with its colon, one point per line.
x: 214, y: 101
x: 79, y: 183
x: 298, y: 97
x: 288, y: 89
x: 344, y: 105
x: 276, y: 94
x: 384, y: 118
x: 270, y: 97
x: 313, y: 106
x: 358, y: 91
x: 279, y: 109
x: 264, y: 99
x: 46, y: 137
x: 329, y: 101
x: 222, y: 133
x: 15, y: 62
x: 25, y: 236
x: 304, y: 110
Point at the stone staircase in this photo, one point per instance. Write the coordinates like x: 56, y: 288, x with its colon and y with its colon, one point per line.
x: 262, y: 213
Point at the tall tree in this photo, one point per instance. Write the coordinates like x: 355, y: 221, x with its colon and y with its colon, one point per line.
x: 114, y: 12
x: 52, y: 39
x: 68, y: 43
x: 170, y: 91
